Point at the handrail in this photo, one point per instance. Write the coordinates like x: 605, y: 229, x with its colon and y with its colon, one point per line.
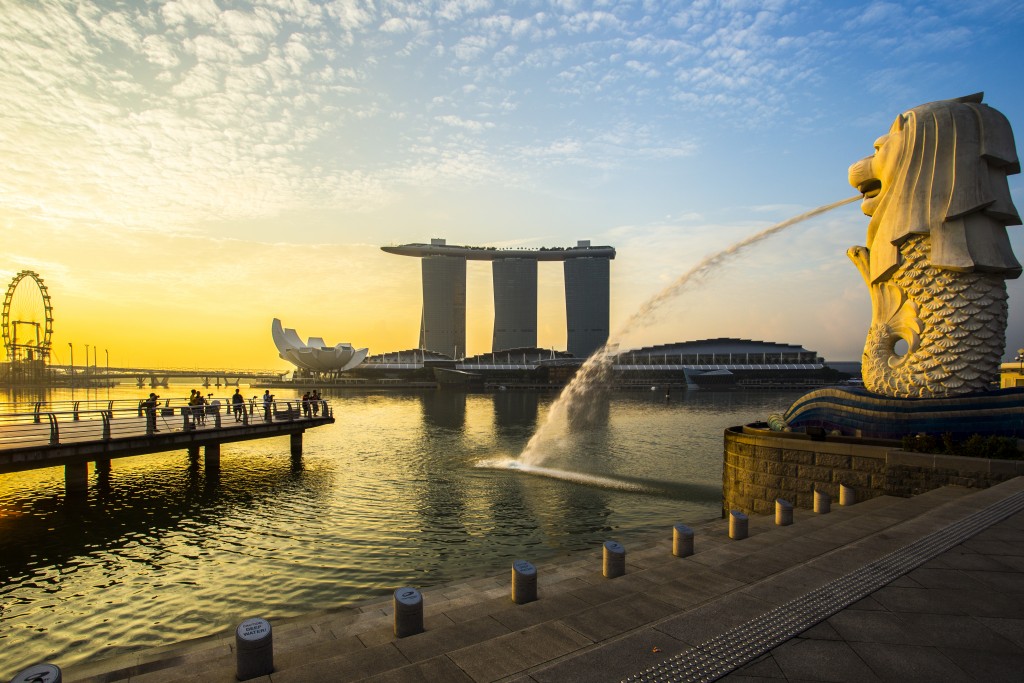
x: 54, y: 429
x: 75, y: 425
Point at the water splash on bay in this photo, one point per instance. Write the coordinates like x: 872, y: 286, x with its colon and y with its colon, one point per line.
x: 584, y: 400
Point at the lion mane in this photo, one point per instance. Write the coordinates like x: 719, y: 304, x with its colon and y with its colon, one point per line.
x: 950, y: 183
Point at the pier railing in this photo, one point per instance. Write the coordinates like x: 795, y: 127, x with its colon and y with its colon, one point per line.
x: 52, y: 423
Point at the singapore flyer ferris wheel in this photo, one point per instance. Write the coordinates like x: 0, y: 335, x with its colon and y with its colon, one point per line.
x: 27, y: 320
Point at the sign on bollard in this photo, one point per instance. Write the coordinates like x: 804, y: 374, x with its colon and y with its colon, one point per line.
x: 254, y: 649
x: 39, y: 673
x: 408, y: 612
x: 524, y: 582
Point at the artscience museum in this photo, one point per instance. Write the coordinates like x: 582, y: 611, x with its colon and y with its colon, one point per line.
x: 314, y: 355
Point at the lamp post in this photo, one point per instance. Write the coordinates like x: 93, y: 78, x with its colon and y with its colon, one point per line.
x: 87, y: 359
x: 107, y: 353
x: 1020, y: 369
x: 72, y: 348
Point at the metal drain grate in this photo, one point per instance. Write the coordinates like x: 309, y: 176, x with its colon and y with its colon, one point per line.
x: 744, y: 643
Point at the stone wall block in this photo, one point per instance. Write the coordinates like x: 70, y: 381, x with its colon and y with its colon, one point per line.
x: 813, y: 473
x: 798, y: 457
x: 871, y: 465
x: 786, y: 469
x: 857, y: 480
x: 832, y: 460
x: 767, y: 453
x: 769, y: 481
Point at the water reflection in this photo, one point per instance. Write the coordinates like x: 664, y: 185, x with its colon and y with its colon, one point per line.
x: 390, y: 495
x: 444, y: 409
x: 132, y: 503
x: 514, y: 412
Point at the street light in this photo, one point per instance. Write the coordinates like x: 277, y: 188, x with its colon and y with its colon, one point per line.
x: 107, y: 353
x: 87, y: 359
x: 72, y: 363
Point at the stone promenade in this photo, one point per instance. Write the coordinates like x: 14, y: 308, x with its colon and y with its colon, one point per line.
x: 928, y: 588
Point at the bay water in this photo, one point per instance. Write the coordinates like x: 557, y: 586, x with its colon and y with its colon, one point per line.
x: 397, y: 492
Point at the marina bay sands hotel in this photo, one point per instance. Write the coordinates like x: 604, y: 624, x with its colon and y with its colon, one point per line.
x: 443, y: 322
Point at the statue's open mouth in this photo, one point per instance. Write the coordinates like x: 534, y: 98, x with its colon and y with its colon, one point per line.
x: 870, y: 188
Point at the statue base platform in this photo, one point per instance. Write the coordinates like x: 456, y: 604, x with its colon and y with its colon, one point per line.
x: 857, y: 412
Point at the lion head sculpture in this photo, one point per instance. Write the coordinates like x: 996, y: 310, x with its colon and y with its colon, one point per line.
x: 941, y: 172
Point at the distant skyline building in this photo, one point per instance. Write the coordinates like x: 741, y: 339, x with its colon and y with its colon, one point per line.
x: 514, y: 272
x: 587, y: 310
x: 515, y: 303
x: 443, y: 321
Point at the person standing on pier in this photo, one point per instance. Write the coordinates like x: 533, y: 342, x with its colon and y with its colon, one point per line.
x: 150, y: 407
x: 237, y: 402
x: 268, y: 400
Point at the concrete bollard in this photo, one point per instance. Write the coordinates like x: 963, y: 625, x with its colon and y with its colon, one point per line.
x: 847, y: 495
x: 737, y: 525
x: 408, y: 612
x: 614, y: 563
x: 822, y: 502
x: 39, y: 673
x: 254, y: 649
x: 682, y: 540
x: 783, y: 512
x: 524, y: 582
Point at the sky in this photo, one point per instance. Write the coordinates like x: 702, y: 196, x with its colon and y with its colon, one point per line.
x: 180, y: 173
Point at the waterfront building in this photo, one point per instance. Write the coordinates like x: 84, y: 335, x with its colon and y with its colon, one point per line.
x: 587, y: 310
x: 314, y: 356
x: 443, y: 323
x: 515, y: 303
x: 443, y: 320
x: 707, y: 363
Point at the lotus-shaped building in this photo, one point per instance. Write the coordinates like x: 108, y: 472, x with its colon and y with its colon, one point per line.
x: 315, y: 355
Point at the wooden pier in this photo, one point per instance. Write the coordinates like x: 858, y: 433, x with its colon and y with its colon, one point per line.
x: 67, y: 436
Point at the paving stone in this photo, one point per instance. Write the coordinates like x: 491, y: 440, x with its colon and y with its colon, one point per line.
x: 952, y: 630
x: 991, y: 667
x: 544, y: 609
x: 909, y: 663
x: 764, y: 667
x: 821, y: 631
x: 822, y: 660
x: 513, y: 653
x: 618, y: 616
x: 867, y: 603
x: 1011, y: 629
x: 435, y: 642
x: 347, y: 667
x: 615, y: 660
x: 427, y: 671
x: 706, y: 621
x: 946, y: 578
x: 876, y: 627
x: 782, y: 588
x: 922, y: 600
x: 1003, y: 582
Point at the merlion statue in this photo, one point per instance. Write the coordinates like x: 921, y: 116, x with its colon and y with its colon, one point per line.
x: 937, y: 255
